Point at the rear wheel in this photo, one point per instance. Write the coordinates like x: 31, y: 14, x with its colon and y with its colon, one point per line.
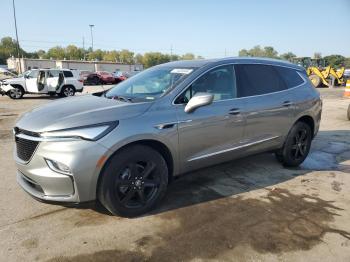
x: 315, y: 80
x: 297, y: 145
x: 134, y: 181
x: 16, y: 93
x: 67, y: 91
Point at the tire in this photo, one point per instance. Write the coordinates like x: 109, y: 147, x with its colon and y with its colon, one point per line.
x: 96, y: 81
x: 16, y: 93
x: 315, y: 80
x: 67, y: 91
x: 349, y: 112
x: 297, y: 145
x: 133, y: 181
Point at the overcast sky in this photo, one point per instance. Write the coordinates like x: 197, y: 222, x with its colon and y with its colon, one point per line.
x: 203, y: 27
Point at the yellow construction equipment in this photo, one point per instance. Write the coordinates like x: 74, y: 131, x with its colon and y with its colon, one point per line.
x: 319, y: 73
x: 315, y: 69
x: 337, y: 76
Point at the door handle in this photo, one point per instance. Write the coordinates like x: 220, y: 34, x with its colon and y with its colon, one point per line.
x: 287, y: 103
x: 234, y: 111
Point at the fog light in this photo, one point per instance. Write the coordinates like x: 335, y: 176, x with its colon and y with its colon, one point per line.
x: 58, y: 167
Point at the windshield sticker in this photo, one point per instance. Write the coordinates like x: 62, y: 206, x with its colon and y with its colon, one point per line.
x: 184, y: 71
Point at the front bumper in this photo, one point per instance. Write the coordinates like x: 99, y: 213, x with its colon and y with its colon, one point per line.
x: 41, y: 182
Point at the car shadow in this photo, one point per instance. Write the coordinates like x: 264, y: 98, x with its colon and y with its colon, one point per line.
x: 42, y: 97
x: 329, y: 151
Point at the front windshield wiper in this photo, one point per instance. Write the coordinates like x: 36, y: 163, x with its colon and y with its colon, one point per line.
x: 122, y: 98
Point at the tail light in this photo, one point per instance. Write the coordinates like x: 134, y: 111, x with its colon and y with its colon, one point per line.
x: 81, y: 80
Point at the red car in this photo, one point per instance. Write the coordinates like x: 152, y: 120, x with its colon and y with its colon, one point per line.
x: 98, y: 78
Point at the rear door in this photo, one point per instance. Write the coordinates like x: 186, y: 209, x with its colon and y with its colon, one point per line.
x: 210, y: 133
x: 268, y: 105
x: 52, y: 81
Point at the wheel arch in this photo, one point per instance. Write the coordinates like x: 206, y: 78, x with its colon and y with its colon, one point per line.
x: 307, y: 119
x: 66, y: 85
x: 154, y: 144
x: 19, y: 86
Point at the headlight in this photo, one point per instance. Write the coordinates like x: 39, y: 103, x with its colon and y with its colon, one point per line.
x: 91, y: 132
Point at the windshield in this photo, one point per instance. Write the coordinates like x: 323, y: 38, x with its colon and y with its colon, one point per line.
x: 149, y: 84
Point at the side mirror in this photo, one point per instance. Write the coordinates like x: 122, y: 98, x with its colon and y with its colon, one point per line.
x: 198, y: 100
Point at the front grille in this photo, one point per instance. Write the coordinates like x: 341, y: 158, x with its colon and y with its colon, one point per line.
x: 25, y: 147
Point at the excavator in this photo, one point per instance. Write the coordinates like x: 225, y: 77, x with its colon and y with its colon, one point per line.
x: 319, y: 73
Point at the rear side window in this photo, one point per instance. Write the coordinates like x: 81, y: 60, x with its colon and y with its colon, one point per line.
x: 67, y: 74
x: 290, y: 76
x: 256, y: 79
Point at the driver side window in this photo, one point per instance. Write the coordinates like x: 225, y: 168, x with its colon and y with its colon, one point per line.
x: 219, y: 81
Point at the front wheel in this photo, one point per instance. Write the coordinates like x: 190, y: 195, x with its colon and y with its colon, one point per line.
x: 16, y: 93
x: 297, y: 145
x: 133, y: 181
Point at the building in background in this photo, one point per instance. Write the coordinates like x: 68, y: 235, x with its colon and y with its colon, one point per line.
x: 93, y: 66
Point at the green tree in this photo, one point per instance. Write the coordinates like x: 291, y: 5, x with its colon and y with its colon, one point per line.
x: 74, y: 53
x: 347, y: 62
x: 96, y: 55
x: 138, y: 58
x: 257, y: 51
x: 56, y: 52
x: 270, y: 52
x: 243, y: 52
x: 154, y: 58
x: 188, y: 56
x: 288, y: 56
x: 317, y: 55
x: 112, y: 56
x: 335, y: 60
x: 126, y: 56
x: 8, y: 48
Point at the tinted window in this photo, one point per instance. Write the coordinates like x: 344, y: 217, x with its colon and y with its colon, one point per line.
x: 220, y: 82
x: 290, y: 76
x: 67, y: 74
x: 254, y: 79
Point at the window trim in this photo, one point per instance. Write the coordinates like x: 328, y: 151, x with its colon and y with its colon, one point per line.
x: 207, y: 71
x: 233, y: 64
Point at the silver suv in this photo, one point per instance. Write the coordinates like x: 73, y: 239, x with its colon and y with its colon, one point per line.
x: 125, y: 145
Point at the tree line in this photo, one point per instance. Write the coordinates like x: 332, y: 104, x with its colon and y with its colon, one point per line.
x: 72, y: 52
x: 269, y: 52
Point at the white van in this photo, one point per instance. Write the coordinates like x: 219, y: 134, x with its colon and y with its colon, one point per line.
x: 63, y: 82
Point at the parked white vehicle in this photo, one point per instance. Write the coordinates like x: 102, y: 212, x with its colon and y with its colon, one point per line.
x: 63, y: 82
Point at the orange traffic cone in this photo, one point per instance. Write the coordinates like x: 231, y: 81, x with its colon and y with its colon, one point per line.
x: 347, y: 89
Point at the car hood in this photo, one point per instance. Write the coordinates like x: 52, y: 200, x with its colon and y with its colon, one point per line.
x: 78, y: 111
x: 13, y: 80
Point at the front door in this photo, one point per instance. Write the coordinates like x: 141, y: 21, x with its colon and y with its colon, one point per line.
x: 210, y: 134
x: 32, y: 81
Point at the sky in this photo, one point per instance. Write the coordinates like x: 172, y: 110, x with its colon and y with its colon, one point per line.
x: 204, y: 27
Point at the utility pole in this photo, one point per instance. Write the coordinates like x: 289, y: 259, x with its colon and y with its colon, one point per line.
x: 171, y: 53
x: 84, y: 48
x: 92, y: 38
x: 225, y: 52
x: 18, y: 49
